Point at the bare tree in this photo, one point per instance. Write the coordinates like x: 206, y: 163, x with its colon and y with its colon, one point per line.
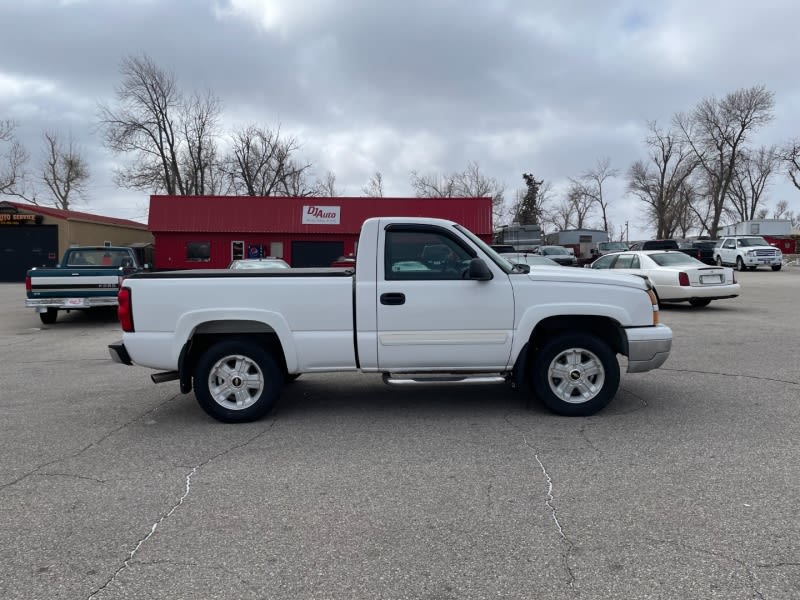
x: 326, y: 188
x: 658, y: 180
x: 261, y: 163
x: 717, y: 131
x: 64, y: 170
x: 591, y: 185
x: 470, y: 183
x: 200, y: 118
x: 13, y: 158
x: 374, y: 187
x: 172, y: 139
x: 790, y: 156
x: 750, y: 180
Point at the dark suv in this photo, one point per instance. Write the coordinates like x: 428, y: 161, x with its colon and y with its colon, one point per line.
x: 655, y: 245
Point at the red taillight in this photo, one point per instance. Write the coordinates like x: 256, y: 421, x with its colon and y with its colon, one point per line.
x: 124, y: 311
x: 683, y: 279
x: 27, y: 283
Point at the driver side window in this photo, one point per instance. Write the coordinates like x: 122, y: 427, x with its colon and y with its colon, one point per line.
x: 412, y: 255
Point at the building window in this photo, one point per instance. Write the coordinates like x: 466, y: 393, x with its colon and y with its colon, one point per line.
x: 237, y: 250
x: 198, y: 251
x: 276, y: 249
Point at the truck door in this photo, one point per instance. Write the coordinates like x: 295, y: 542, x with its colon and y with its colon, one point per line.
x: 428, y: 315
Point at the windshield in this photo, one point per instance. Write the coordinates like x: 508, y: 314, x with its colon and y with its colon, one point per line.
x: 669, y: 259
x: 496, y: 258
x: 612, y: 246
x: 752, y: 241
x: 554, y: 250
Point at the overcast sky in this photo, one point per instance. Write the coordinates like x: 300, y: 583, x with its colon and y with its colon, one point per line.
x: 397, y: 86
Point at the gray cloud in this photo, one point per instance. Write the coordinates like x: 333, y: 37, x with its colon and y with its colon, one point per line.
x: 399, y: 86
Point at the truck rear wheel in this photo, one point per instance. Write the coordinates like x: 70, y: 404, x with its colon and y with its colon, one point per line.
x: 575, y: 374
x: 49, y: 317
x: 237, y: 381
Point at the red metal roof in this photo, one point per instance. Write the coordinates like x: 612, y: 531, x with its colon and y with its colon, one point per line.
x: 244, y: 214
x: 74, y: 215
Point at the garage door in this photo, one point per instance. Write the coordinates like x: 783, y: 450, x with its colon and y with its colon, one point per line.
x: 23, y: 247
x: 315, y: 254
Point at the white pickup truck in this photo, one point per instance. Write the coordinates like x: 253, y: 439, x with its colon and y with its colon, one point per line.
x: 427, y: 302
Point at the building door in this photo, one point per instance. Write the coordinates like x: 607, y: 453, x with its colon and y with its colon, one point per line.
x: 315, y: 254
x: 26, y: 246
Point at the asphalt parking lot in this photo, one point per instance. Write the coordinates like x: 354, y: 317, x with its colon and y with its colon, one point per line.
x: 686, y: 486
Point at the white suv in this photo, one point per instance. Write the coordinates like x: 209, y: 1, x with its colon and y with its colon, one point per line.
x: 747, y: 252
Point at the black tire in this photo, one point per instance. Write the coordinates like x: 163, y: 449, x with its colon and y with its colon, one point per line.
x: 49, y: 317
x: 698, y: 302
x: 776, y: 267
x: 740, y: 264
x: 592, y: 367
x: 718, y: 261
x: 237, y: 381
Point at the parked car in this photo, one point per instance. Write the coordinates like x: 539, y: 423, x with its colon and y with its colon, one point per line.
x: 702, y: 250
x: 503, y: 248
x: 747, y: 252
x: 526, y: 258
x: 269, y: 262
x: 675, y: 276
x: 560, y: 254
x: 608, y: 247
x: 655, y: 245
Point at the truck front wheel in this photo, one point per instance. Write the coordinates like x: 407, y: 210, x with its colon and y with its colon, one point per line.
x: 237, y: 381
x: 575, y: 374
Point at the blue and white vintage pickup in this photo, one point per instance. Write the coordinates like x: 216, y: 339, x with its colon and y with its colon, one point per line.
x: 427, y: 302
x: 87, y: 277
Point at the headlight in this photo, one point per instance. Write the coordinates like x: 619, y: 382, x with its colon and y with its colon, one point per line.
x: 751, y: 253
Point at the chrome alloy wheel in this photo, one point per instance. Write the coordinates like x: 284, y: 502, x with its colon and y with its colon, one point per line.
x: 576, y: 375
x: 235, y: 382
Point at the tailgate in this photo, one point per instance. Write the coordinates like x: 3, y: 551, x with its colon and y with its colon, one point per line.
x: 74, y: 283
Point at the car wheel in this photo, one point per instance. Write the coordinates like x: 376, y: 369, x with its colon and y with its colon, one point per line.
x: 699, y: 302
x: 776, y: 267
x: 49, y: 317
x: 740, y: 264
x: 575, y: 374
x: 237, y: 381
x: 719, y: 261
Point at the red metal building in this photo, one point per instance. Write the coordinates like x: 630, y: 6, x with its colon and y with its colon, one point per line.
x: 208, y: 232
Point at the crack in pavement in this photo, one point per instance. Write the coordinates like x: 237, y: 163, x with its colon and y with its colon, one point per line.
x: 756, y: 377
x: 70, y: 475
x: 550, y: 504
x: 750, y: 575
x: 188, y: 488
x: 38, y: 469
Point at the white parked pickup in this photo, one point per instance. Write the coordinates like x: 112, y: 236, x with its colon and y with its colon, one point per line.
x: 427, y: 302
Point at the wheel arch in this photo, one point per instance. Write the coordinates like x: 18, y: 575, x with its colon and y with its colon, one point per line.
x: 208, y: 333
x: 605, y: 328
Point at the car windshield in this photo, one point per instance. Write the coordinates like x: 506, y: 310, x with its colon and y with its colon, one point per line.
x: 554, y: 250
x: 752, y: 241
x: 670, y: 259
x: 612, y: 246
x: 259, y: 264
x: 498, y: 259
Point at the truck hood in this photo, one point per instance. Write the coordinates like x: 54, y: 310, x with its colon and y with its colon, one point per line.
x: 586, y: 276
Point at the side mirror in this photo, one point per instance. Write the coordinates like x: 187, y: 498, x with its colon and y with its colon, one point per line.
x: 525, y: 268
x: 478, y: 270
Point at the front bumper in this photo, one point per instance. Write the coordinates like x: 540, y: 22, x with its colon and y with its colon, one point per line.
x: 648, y: 347
x: 42, y: 304
x: 754, y: 261
x: 119, y: 354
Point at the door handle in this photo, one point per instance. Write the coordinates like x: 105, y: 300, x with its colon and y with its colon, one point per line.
x: 393, y: 299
